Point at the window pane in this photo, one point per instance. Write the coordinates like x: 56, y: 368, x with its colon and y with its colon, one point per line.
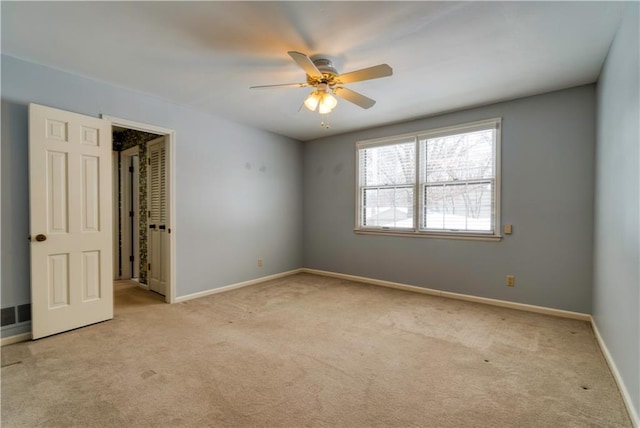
x: 465, y: 206
x: 457, y: 168
x: 458, y: 157
x: 433, y: 212
x: 388, y: 165
x: 387, y: 207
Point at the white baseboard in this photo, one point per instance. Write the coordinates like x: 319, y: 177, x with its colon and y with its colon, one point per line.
x: 633, y: 412
x: 458, y: 296
x: 234, y: 286
x: 15, y: 339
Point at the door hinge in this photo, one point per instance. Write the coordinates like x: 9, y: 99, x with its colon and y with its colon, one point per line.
x: 130, y: 169
x: 130, y: 258
x: 149, y: 266
x: 149, y: 161
x: 148, y: 213
x: 130, y: 213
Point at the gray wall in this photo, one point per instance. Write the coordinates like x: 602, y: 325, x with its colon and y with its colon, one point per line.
x: 239, y: 189
x: 547, y: 194
x: 616, y: 291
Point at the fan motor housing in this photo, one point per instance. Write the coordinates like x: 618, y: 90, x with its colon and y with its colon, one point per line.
x: 329, y: 73
x: 325, y: 66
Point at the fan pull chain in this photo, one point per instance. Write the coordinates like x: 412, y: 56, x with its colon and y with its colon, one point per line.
x: 325, y: 123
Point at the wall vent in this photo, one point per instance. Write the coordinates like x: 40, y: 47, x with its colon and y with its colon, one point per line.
x: 24, y: 312
x: 8, y: 315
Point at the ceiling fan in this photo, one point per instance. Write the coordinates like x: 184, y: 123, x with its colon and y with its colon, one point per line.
x: 322, y: 75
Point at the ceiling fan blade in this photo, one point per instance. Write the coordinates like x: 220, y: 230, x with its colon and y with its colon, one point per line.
x: 284, y: 85
x: 375, y: 72
x: 305, y: 62
x: 354, y: 97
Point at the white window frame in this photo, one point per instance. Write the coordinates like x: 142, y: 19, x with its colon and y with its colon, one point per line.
x: 416, y: 231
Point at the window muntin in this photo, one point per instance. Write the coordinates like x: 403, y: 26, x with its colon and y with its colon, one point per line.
x: 439, y: 182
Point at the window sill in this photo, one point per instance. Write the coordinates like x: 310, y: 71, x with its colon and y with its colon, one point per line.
x: 467, y: 237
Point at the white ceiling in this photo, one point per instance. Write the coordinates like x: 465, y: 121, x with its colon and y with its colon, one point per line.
x: 445, y: 55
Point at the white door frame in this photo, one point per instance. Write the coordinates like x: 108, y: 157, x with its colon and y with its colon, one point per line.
x: 115, y: 210
x: 170, y: 136
x: 135, y: 226
x: 123, y: 213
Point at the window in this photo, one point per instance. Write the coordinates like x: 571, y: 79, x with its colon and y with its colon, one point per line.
x: 442, y: 182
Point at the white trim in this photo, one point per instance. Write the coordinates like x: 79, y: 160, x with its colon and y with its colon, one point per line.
x: 125, y: 208
x: 413, y: 234
x: 114, y: 215
x: 23, y: 337
x: 497, y: 220
x: 387, y: 141
x: 237, y: 285
x: 356, y: 180
x: 170, y: 135
x: 172, y: 194
x: 418, y: 205
x: 633, y: 412
x: 138, y: 126
x: 464, y: 127
x: 135, y: 150
x: 466, y: 297
x: 469, y: 127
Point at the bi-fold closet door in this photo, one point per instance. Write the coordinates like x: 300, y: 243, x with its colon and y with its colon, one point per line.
x: 158, y: 220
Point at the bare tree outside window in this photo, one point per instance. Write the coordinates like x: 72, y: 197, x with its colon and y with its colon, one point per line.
x: 388, y: 176
x: 458, y: 182
x: 457, y: 188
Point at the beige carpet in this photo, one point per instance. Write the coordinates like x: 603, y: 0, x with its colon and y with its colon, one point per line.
x: 312, y: 351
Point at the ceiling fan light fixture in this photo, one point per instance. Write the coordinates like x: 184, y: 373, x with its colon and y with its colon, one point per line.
x: 327, y: 103
x: 326, y: 81
x: 312, y: 101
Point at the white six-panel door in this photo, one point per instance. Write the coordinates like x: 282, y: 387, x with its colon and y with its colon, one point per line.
x: 71, y: 202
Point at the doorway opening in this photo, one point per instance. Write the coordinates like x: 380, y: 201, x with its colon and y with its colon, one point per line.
x: 126, y: 216
x: 143, y: 251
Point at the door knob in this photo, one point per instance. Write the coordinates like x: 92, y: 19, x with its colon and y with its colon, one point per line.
x: 40, y: 237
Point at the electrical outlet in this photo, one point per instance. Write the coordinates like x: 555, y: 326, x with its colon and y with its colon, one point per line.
x: 511, y: 280
x: 260, y: 262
